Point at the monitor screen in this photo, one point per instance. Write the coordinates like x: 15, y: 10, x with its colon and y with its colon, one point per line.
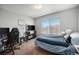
x: 4, y: 30
x: 31, y: 27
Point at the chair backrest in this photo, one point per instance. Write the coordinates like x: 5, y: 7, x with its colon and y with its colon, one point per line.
x: 14, y: 36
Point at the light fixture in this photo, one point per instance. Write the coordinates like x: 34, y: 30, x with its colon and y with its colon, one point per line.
x: 37, y: 6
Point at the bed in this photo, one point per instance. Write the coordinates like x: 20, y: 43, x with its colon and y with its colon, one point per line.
x: 57, y: 44
x: 75, y: 41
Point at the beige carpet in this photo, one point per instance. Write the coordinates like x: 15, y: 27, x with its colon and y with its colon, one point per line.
x: 29, y: 48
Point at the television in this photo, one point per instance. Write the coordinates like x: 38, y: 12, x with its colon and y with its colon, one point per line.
x: 31, y: 27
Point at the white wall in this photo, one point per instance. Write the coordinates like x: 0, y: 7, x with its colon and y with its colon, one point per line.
x: 9, y: 19
x: 78, y: 18
x: 68, y: 19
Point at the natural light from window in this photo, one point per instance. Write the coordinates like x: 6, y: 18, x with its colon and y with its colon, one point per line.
x: 51, y: 25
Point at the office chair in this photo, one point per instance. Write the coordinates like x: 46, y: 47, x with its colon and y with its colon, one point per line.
x: 14, y: 38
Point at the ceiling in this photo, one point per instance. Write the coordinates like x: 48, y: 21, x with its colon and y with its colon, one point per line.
x: 29, y: 10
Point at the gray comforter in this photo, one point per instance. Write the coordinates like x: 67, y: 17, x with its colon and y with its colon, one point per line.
x: 55, y: 44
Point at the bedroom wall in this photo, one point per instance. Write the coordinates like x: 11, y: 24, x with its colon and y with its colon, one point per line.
x: 68, y: 19
x: 78, y: 18
x: 9, y: 19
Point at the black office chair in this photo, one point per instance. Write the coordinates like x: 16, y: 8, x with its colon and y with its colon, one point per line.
x: 14, y: 38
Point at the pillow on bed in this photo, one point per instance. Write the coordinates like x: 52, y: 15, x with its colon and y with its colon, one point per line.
x: 75, y: 35
x: 62, y: 33
x: 75, y: 38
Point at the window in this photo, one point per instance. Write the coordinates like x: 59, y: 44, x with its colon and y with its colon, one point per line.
x: 50, y: 25
x: 54, y: 25
x: 45, y: 26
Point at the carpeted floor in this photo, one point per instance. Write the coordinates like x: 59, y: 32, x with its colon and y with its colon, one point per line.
x: 29, y: 48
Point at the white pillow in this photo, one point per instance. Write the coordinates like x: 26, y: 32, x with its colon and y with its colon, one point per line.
x: 75, y: 35
x: 62, y: 33
x: 68, y: 31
